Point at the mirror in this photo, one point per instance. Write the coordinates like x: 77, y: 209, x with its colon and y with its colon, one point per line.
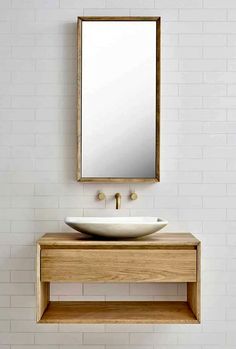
x: 118, y: 99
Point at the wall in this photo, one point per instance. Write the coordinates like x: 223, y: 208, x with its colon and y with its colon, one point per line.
x: 197, y: 191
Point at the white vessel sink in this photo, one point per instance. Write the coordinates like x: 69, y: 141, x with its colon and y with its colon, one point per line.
x: 116, y: 227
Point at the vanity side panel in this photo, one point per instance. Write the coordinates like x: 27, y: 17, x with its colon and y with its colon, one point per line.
x: 117, y: 265
x: 42, y: 288
x: 194, y: 288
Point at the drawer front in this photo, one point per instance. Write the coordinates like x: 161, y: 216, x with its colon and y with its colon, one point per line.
x: 71, y: 265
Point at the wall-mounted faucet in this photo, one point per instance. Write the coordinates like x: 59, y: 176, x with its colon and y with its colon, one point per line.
x: 101, y: 196
x: 118, y: 200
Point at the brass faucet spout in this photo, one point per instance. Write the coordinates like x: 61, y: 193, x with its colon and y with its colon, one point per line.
x: 118, y: 200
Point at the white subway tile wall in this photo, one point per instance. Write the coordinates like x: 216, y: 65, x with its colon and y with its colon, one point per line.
x: 38, y: 187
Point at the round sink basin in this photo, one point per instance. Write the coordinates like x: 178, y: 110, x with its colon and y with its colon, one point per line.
x: 116, y: 227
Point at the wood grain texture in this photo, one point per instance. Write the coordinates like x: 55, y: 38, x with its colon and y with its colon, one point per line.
x: 119, y: 312
x: 118, y: 265
x: 156, y: 241
x: 194, y: 288
x: 157, y: 112
x: 42, y: 288
x: 117, y: 180
x: 159, y: 257
x: 79, y: 91
x: 112, y: 18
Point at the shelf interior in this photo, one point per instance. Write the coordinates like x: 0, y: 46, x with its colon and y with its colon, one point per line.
x: 160, y: 312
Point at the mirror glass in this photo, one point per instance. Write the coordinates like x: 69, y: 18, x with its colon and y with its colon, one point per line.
x: 118, y: 99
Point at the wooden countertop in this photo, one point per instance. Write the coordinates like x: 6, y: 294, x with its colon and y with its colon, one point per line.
x: 157, y: 240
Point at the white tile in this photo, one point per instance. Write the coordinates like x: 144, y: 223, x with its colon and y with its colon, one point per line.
x: 219, y: 202
x: 82, y: 3
x: 120, y: 289
x: 203, y: 214
x: 4, y: 276
x: 130, y: 3
x: 202, y: 90
x: 203, y: 15
x: 219, y: 177
x: 165, y: 14
x: 5, y: 251
x: 22, y: 313
x: 219, y: 4
x: 178, y: 202
x: 128, y: 328
x: 81, y: 202
x: 46, y: 3
x: 200, y: 338
x: 152, y: 338
x: 4, y: 4
x: 23, y: 301
x: 16, y: 338
x: 180, y: 152
x: 17, y: 264
x: 187, y: 52
x: 223, y: 52
x: 220, y: 77
x: 34, y: 202
x: 16, y: 239
x: 58, y: 338
x: 56, y: 214
x: 19, y: 326
x: 179, y: 127
x: 202, y: 189
x: 106, y: 338
x: 4, y: 326
x: 203, y: 164
x: 183, y: 77
x: 91, y: 212
x: 16, y: 289
x: 232, y: 64
x: 181, y: 177
x: 147, y: 289
x: 62, y: 289
x: 23, y: 276
x: 178, y: 4
x: 44, y: 15
x: 225, y: 152
x: 81, y: 328
x: 220, y: 27
x: 203, y: 65
x: 202, y: 40
x: 23, y: 251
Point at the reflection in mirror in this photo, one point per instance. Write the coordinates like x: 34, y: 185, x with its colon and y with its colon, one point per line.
x: 118, y: 99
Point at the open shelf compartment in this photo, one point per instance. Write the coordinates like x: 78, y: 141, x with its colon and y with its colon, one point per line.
x: 119, y: 312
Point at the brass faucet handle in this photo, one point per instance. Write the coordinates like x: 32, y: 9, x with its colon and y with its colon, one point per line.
x: 101, y: 196
x: 118, y: 200
x: 133, y: 196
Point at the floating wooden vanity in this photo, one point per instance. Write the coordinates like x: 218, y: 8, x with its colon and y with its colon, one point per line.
x: 71, y: 257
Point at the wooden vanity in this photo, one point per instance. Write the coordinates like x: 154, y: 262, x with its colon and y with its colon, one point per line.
x: 71, y: 257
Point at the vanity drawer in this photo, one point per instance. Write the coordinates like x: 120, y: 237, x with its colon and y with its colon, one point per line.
x: 117, y: 265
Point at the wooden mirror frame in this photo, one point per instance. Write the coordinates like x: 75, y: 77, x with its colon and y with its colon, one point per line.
x: 79, y: 119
